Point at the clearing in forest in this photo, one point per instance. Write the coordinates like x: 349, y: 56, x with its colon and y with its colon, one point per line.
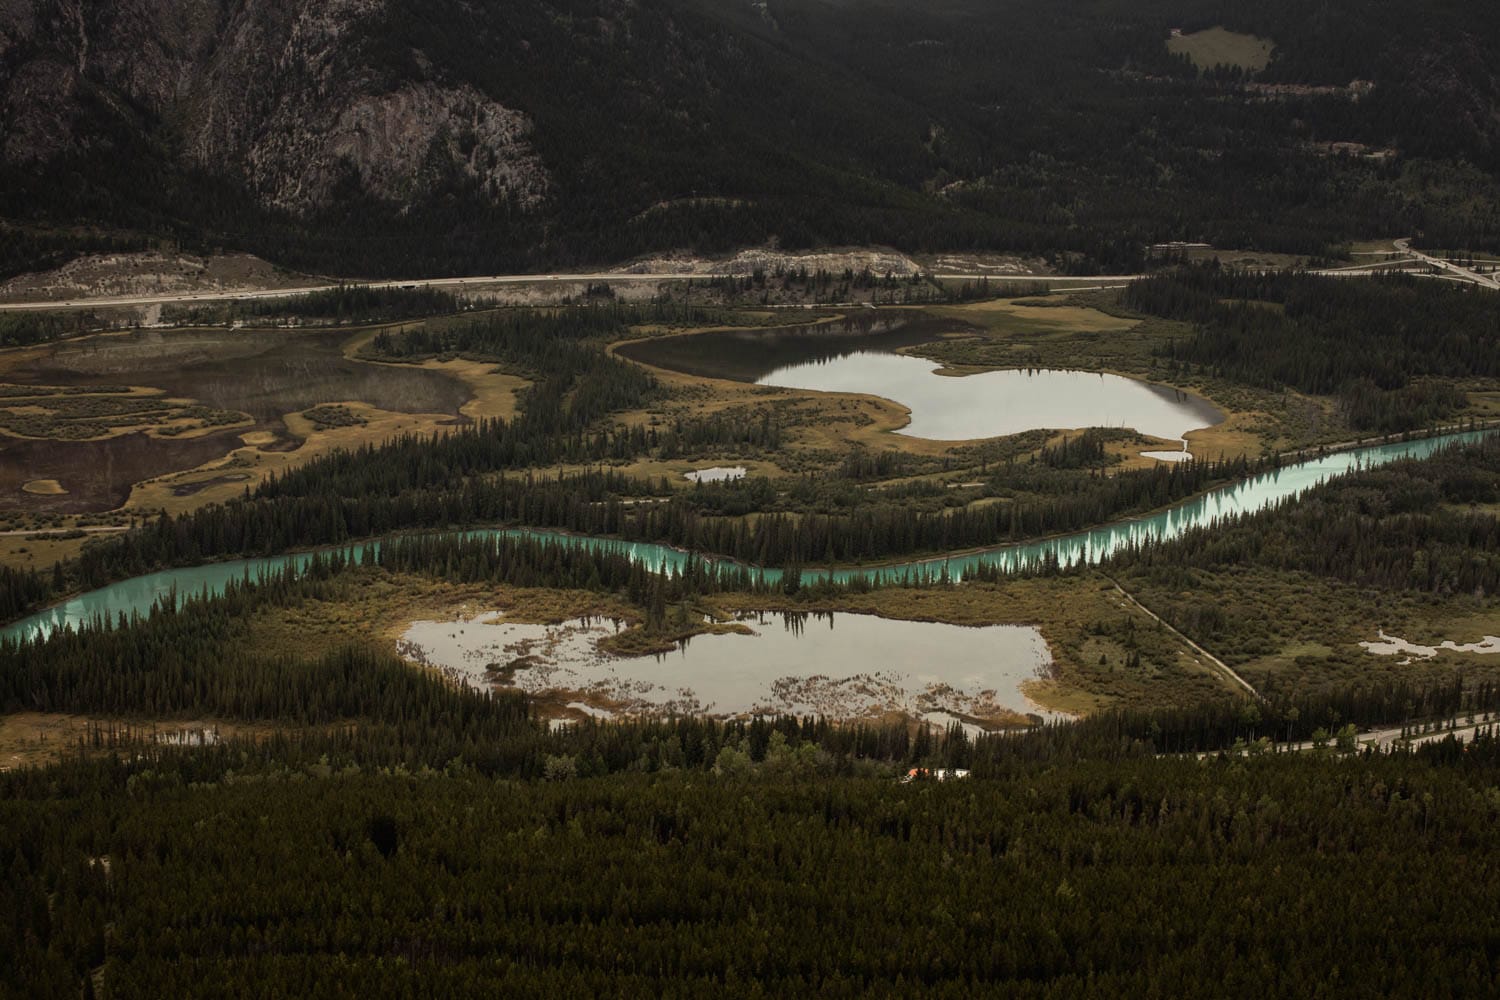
x: 1219, y: 46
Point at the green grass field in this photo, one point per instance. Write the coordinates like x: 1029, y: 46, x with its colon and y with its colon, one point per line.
x: 1221, y: 47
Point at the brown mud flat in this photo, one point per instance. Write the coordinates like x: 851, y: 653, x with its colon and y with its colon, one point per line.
x: 97, y: 475
x: 194, y: 488
x: 265, y: 374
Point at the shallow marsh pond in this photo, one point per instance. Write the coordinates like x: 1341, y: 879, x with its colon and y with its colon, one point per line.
x: 844, y: 666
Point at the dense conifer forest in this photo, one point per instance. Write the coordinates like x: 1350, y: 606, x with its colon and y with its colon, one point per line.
x: 1426, y: 526
x: 582, y: 886
x: 285, y: 866
x: 1388, y: 348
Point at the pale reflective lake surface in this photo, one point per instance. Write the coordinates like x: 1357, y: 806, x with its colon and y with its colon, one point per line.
x: 716, y: 474
x: 843, y: 666
x: 860, y: 354
x: 1391, y: 645
x: 992, y: 404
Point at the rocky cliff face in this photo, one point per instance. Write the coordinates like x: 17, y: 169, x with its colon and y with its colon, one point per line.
x: 391, y: 144
x: 285, y: 98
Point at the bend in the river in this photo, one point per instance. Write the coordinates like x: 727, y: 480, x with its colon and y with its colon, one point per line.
x: 138, y: 595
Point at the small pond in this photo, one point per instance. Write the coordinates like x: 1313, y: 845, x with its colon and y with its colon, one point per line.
x: 1168, y: 456
x: 844, y: 666
x: 1391, y: 645
x: 717, y: 474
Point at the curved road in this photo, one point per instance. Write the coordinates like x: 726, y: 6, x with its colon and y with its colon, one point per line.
x: 1464, y: 273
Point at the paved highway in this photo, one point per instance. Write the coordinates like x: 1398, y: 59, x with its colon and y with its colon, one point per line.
x: 1078, y: 282
x: 170, y: 298
x: 615, y: 277
x: 1465, y: 273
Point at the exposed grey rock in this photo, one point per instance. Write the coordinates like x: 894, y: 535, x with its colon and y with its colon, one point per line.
x: 36, y: 114
x: 389, y: 141
x: 276, y: 95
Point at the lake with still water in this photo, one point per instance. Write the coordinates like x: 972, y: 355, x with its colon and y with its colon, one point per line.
x: 992, y: 404
x: 878, y: 357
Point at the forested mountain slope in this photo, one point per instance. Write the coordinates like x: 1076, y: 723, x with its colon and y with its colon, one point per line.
x: 380, y: 135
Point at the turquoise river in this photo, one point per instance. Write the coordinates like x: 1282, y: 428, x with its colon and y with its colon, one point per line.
x: 136, y: 596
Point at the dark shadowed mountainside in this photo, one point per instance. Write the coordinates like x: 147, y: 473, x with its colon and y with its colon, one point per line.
x: 375, y: 136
